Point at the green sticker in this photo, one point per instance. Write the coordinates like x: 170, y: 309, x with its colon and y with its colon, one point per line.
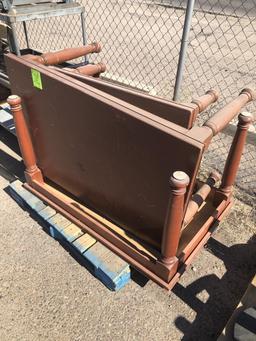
x: 36, y: 78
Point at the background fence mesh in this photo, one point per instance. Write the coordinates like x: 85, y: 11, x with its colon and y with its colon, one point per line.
x: 141, y: 44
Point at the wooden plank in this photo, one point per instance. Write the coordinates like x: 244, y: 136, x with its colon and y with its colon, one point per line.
x: 71, y: 233
x: 24, y: 197
x: 113, y: 271
x: 47, y: 213
x: 84, y: 242
x: 36, y: 204
x: 18, y: 193
x: 59, y: 222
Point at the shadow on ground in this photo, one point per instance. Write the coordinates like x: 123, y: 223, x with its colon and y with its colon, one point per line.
x: 10, y: 167
x: 222, y: 293
x: 240, y: 263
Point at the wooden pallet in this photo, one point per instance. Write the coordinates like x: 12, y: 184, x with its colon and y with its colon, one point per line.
x: 110, y: 269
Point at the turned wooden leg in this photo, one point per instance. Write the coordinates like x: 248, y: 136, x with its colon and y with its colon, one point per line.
x: 32, y: 172
x: 170, y: 240
x: 222, y: 118
x: 204, y: 101
x: 89, y: 69
x: 58, y: 57
x: 235, y: 153
x: 200, y: 196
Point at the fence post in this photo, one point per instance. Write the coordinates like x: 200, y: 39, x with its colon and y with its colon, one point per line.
x: 183, y: 48
x: 84, y: 34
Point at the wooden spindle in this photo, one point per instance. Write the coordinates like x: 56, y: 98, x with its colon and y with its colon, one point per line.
x: 204, y: 101
x: 200, y: 196
x: 89, y: 70
x: 235, y: 153
x: 171, y: 234
x: 59, y: 57
x: 222, y: 118
x: 24, y: 139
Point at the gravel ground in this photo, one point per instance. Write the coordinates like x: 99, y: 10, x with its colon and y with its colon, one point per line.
x: 46, y: 294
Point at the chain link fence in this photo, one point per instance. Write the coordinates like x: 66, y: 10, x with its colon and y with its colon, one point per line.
x: 141, y: 46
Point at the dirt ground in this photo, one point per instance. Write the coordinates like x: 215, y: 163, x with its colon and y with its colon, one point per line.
x: 46, y: 294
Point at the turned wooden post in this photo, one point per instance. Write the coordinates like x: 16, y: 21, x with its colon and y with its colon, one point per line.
x: 235, y: 153
x: 204, y: 101
x: 200, y: 196
x: 58, y: 57
x: 89, y: 70
x: 32, y: 172
x: 171, y: 234
x: 222, y: 118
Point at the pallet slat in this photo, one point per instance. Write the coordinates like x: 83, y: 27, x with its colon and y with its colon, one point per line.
x: 110, y: 269
x: 47, y: 212
x: 71, y: 233
x: 24, y: 197
x: 84, y: 242
x: 59, y: 222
